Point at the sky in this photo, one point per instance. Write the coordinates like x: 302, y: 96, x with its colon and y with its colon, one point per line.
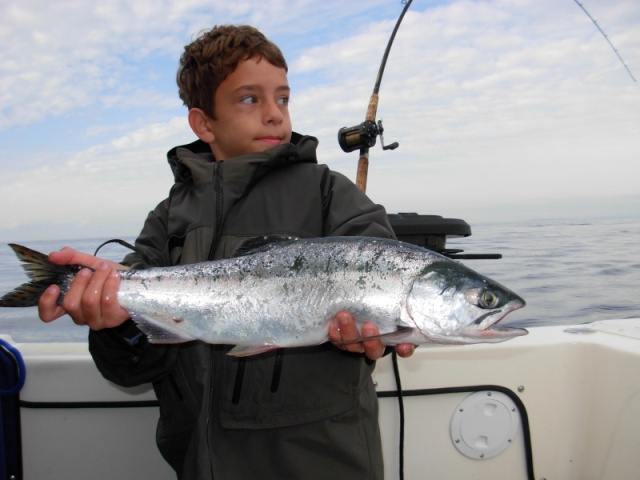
x: 504, y: 109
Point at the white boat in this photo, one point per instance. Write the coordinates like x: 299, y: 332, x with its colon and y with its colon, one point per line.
x: 559, y: 403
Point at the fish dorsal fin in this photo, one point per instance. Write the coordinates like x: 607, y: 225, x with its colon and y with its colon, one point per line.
x: 260, y: 244
x: 160, y: 332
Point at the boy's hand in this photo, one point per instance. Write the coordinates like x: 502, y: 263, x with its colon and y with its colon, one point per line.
x: 343, y: 328
x: 92, y: 298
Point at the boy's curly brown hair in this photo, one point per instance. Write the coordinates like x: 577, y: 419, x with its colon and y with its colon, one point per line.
x: 216, y: 53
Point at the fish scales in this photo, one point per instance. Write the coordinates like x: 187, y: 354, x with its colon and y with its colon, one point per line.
x: 281, y: 296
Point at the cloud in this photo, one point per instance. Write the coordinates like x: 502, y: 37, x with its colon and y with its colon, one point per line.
x: 70, y: 54
x: 490, y: 101
x: 493, y: 103
x: 113, y: 183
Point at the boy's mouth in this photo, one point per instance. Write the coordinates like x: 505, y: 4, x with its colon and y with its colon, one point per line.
x: 270, y: 140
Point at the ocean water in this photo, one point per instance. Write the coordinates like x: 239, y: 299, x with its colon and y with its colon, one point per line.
x: 569, y: 272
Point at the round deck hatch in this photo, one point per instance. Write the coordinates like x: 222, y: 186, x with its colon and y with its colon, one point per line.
x: 484, y: 424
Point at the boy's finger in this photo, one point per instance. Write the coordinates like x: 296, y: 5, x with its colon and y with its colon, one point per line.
x: 405, y: 350
x: 373, y: 349
x: 112, y: 314
x: 48, y: 310
x: 349, y: 331
x: 69, y: 256
x: 72, y: 301
x: 92, y: 296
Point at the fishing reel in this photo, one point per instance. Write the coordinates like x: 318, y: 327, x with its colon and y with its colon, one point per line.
x: 363, y: 136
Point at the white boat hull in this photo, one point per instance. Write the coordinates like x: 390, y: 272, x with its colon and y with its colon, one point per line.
x: 574, y: 399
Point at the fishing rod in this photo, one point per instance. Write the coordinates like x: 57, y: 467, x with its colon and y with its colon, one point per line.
x: 364, y: 136
x: 606, y: 37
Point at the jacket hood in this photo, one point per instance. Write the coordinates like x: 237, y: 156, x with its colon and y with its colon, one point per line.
x: 194, y: 162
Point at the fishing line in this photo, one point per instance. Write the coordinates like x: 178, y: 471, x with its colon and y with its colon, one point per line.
x: 606, y: 37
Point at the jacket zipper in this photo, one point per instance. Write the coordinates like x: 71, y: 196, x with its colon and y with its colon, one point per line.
x: 219, y: 198
x: 217, y: 188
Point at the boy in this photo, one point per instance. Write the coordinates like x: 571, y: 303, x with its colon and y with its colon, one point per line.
x: 299, y: 413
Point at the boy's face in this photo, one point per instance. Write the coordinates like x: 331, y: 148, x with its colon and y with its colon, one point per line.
x: 251, y: 107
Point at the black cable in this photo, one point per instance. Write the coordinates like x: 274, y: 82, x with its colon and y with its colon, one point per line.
x: 124, y: 244
x: 394, y: 355
x: 524, y: 417
x: 396, y: 371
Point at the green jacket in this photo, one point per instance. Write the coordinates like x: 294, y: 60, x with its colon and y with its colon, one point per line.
x: 293, y: 413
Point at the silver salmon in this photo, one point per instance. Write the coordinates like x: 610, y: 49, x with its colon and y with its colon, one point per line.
x: 286, y: 293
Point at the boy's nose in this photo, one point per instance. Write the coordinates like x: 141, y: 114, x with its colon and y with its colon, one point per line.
x: 272, y: 112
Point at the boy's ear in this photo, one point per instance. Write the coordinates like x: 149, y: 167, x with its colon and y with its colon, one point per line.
x: 200, y: 124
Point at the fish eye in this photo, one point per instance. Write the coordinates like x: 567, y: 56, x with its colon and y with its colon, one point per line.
x: 488, y: 299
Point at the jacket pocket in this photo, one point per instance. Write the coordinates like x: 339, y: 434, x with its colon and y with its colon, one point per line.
x: 290, y: 387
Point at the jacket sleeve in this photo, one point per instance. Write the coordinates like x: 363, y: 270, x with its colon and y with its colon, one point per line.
x: 122, y: 354
x: 349, y: 212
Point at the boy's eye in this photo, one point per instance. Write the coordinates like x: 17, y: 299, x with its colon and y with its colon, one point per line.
x: 251, y: 100
x: 248, y: 100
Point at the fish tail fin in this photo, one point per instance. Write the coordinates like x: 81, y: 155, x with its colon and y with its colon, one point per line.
x: 42, y: 273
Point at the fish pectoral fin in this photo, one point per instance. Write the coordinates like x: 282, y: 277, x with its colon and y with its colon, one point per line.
x: 389, y: 338
x: 248, y: 350
x: 160, y: 333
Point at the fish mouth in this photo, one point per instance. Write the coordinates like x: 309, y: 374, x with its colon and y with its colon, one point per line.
x: 486, y: 326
